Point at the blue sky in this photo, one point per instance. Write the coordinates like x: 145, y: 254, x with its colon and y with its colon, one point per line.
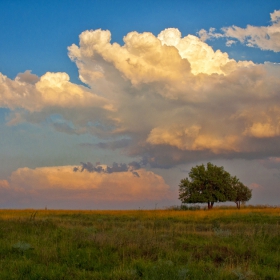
x: 167, y: 112
x: 35, y: 34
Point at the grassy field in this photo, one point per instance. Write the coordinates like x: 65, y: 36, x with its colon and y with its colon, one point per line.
x: 140, y: 244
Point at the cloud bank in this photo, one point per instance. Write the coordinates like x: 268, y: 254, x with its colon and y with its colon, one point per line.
x: 62, y: 183
x: 167, y: 99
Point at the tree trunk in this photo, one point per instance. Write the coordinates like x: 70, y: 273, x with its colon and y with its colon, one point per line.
x: 237, y: 204
x: 210, y: 205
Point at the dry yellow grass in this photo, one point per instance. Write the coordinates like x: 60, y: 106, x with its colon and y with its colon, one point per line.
x: 217, y: 212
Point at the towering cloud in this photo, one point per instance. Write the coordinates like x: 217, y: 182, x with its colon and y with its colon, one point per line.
x: 167, y: 99
x: 177, y: 98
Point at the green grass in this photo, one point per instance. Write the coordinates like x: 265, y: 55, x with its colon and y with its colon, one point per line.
x: 159, y: 244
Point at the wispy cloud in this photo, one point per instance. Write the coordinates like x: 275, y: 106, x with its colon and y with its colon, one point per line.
x: 263, y: 37
x: 116, y: 167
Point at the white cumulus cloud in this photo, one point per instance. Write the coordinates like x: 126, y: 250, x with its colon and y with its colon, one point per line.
x: 167, y: 99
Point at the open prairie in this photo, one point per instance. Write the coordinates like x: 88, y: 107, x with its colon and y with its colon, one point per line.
x: 224, y: 243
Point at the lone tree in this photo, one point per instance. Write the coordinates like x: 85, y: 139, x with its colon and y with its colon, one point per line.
x: 210, y: 184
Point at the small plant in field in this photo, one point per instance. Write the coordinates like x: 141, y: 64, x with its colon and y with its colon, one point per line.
x: 218, y: 231
x: 91, y: 230
x: 182, y: 273
x: 33, y: 215
x: 222, y: 232
x: 22, y: 247
x: 243, y: 275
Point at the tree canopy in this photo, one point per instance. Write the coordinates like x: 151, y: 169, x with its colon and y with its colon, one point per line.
x: 212, y: 184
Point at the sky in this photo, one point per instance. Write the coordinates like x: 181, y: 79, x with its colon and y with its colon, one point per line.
x: 109, y: 104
